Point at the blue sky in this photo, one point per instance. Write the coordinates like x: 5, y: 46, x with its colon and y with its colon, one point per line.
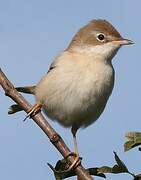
x: 32, y: 33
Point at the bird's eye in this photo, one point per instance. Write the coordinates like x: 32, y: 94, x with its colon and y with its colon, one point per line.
x: 100, y: 37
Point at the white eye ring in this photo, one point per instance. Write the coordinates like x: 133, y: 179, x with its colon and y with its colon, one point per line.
x: 100, y: 37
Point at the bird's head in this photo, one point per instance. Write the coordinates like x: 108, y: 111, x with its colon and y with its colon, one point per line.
x: 98, y: 37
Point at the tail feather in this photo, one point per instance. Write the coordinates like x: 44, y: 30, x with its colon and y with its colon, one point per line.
x: 26, y: 89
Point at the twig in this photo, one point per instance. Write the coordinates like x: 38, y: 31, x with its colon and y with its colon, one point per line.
x: 39, y: 119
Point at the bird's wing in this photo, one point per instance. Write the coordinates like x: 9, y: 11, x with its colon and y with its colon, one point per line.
x: 52, y: 66
x: 55, y: 63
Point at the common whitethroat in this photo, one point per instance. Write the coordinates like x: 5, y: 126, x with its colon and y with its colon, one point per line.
x: 80, y: 80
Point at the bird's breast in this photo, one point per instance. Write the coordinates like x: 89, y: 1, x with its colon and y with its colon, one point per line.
x: 76, y: 93
x: 94, y: 89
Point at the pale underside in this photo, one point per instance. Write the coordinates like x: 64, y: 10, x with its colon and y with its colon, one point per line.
x: 76, y: 90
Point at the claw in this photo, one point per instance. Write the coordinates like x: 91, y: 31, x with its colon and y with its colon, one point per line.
x: 76, y: 162
x: 33, y: 110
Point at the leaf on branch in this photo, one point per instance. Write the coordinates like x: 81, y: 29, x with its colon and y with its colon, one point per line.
x: 61, y: 173
x: 137, y: 177
x: 60, y: 170
x: 95, y: 172
x: 134, y: 139
x: 117, y: 168
x: 120, y: 163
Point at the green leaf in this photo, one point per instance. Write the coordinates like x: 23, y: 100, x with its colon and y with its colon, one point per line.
x: 137, y: 177
x: 105, y: 169
x: 134, y: 139
x: 57, y: 176
x: 60, y: 172
x: 120, y: 163
x: 95, y: 172
x: 117, y: 168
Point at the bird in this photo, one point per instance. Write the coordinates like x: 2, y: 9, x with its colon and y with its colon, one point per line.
x: 79, y: 82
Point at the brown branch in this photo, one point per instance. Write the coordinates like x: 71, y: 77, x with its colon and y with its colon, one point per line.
x: 39, y: 119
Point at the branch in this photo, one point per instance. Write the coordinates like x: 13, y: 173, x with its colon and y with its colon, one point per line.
x: 39, y: 119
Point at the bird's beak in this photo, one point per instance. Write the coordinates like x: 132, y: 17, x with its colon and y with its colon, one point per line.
x: 124, y: 42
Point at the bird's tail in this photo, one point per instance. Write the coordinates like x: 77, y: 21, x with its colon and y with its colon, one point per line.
x: 26, y: 89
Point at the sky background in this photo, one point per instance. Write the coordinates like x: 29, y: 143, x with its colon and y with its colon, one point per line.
x: 32, y: 33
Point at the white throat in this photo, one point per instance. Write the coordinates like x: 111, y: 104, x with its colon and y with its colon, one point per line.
x: 104, y: 51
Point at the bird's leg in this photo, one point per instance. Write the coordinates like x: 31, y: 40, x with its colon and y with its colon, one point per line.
x: 74, y: 131
x: 33, y: 110
x: 77, y: 159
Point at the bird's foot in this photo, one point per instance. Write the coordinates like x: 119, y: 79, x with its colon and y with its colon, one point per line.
x: 34, y: 110
x: 76, y: 162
